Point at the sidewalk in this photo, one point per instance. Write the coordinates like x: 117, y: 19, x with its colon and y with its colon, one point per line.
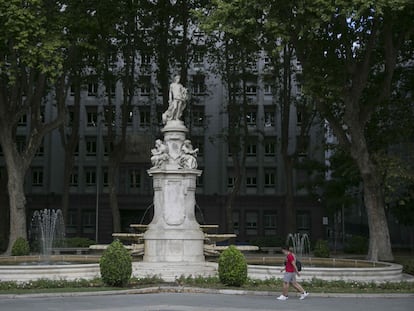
x: 199, y: 299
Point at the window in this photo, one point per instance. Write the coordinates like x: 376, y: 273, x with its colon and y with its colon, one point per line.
x: 270, y: 147
x: 70, y: 117
x: 37, y: 177
x: 135, y: 178
x: 251, y: 117
x: 105, y: 177
x: 198, y: 57
x: 269, y: 117
x: 251, y: 89
x: 267, y: 89
x: 303, y: 221
x: 108, y: 147
x: 269, y: 223
x: 22, y: 121
x: 92, y: 89
x: 270, y: 179
x: 71, y: 221
x: 251, y: 181
x: 299, y: 117
x: 111, y: 90
x: 251, y: 223
x: 40, y: 150
x: 145, y: 85
x: 90, y: 146
x: 74, y: 178
x: 92, y: 117
x: 144, y: 117
x: 110, y: 114
x: 130, y: 116
x: 302, y: 145
x: 145, y: 59
x: 251, y: 149
x: 90, y: 177
x: 76, y: 152
x: 198, y: 84
x: 88, y: 221
x: 230, y: 181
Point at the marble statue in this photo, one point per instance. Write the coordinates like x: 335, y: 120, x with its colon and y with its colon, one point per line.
x: 159, y: 153
x: 188, y: 155
x: 178, y: 96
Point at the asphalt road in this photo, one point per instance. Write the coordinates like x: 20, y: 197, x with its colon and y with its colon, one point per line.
x: 204, y: 302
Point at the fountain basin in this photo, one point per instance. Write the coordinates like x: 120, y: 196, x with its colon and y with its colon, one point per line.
x: 378, y: 272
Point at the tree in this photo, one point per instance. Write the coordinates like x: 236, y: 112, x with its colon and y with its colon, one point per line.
x: 349, y: 51
x: 234, y: 51
x: 31, y: 56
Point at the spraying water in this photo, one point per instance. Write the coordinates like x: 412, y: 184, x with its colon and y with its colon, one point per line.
x: 300, y: 243
x: 47, y: 227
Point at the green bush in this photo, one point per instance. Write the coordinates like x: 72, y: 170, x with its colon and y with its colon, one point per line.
x: 408, y: 266
x: 20, y: 247
x: 116, y: 265
x: 356, y: 245
x: 232, y: 267
x: 321, y: 249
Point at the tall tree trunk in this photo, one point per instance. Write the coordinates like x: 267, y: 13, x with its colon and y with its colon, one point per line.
x: 379, y: 239
x: 113, y: 199
x: 17, y: 201
x: 290, y: 211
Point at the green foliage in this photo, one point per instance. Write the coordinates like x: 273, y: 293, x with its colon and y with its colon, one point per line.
x: 116, y: 265
x: 232, y: 267
x: 321, y: 249
x: 408, y: 266
x: 79, y: 242
x: 268, y: 241
x: 20, y: 247
x: 356, y: 245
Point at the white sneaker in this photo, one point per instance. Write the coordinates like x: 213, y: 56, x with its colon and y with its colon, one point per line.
x: 304, y: 295
x: 282, y: 297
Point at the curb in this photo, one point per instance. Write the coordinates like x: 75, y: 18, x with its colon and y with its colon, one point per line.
x: 198, y: 290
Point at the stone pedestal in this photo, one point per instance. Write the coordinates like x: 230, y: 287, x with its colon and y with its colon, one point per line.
x: 174, y: 234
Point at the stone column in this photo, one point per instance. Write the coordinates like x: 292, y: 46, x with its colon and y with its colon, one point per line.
x: 174, y: 234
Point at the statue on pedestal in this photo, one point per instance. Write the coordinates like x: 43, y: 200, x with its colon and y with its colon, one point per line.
x: 159, y: 153
x: 188, y: 155
x: 178, y: 96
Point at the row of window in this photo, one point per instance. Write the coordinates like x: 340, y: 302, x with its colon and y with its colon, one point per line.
x: 256, y: 223
x: 252, y: 225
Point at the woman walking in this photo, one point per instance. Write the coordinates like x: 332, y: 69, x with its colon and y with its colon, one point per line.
x: 289, y: 277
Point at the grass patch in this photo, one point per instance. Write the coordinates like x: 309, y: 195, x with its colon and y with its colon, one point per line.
x: 271, y: 285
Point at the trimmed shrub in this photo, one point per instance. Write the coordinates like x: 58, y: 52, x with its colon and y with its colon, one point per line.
x: 321, y: 249
x: 232, y: 267
x: 20, y: 247
x: 116, y: 265
x: 356, y: 245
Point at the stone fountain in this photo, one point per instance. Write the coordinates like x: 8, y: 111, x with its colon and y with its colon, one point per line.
x: 174, y: 241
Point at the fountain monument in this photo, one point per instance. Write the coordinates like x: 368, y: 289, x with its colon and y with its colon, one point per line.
x: 173, y: 241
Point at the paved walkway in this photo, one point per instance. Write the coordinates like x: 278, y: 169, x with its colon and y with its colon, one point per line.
x: 202, y: 300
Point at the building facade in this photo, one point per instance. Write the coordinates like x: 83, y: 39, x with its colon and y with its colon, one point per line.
x: 259, y: 209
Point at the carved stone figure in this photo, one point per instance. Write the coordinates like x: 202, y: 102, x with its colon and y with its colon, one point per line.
x: 188, y: 155
x: 159, y: 153
x: 177, y: 101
